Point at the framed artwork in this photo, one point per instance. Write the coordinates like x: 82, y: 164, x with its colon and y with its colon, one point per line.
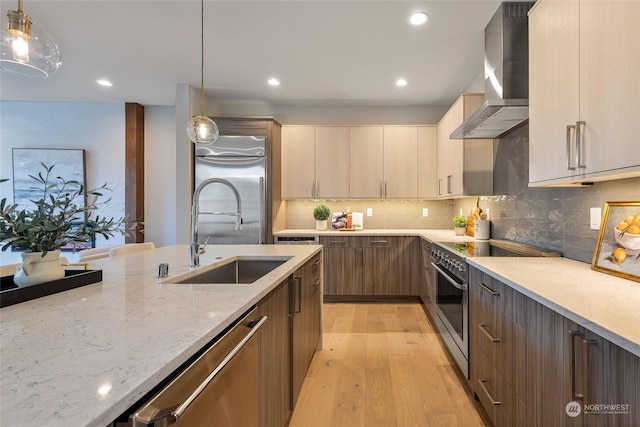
x: 69, y: 164
x: 617, y: 250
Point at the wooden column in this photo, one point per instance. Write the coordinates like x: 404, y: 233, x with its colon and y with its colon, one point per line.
x: 134, y: 166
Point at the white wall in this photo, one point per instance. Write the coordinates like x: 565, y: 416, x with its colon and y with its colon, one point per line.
x: 160, y: 175
x: 98, y: 128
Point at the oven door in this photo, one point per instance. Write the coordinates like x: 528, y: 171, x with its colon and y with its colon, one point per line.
x: 452, y: 314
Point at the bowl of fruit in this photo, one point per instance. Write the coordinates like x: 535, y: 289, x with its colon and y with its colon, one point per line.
x: 627, y: 233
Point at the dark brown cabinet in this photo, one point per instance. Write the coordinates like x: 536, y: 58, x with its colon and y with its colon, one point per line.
x: 498, y: 329
x: 339, y: 266
x: 288, y: 341
x: 427, y: 284
x: 275, y: 357
x: 371, y: 266
x: 574, y: 364
x: 305, y: 314
x: 528, y: 363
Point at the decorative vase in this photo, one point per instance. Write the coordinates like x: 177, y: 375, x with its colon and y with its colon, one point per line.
x: 460, y: 231
x: 321, y: 224
x: 37, y: 269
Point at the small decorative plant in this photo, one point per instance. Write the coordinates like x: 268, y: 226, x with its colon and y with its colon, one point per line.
x: 459, y: 221
x: 321, y: 213
x: 57, y: 219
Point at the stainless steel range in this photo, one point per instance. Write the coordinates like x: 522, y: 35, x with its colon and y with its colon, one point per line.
x: 451, y: 278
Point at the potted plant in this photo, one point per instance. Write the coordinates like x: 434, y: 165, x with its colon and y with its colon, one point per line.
x: 56, y: 220
x: 460, y: 225
x: 321, y: 214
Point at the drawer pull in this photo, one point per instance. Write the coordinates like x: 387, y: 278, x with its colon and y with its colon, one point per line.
x: 337, y: 241
x: 379, y: 242
x: 484, y: 388
x: 488, y: 289
x: 483, y: 328
x: 572, y: 372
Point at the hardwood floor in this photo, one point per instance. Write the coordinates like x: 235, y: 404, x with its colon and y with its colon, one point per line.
x: 382, y: 365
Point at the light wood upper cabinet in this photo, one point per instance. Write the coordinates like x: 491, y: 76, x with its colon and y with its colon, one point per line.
x: 332, y: 162
x: 465, y: 167
x: 315, y: 162
x: 584, y: 91
x: 366, y: 161
x: 427, y: 162
x: 298, y: 161
x: 358, y: 162
x: 400, y: 162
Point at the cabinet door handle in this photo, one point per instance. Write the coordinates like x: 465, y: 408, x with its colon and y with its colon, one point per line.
x: 483, y: 328
x: 586, y: 362
x: 298, y: 297
x: 317, y: 189
x: 572, y: 372
x: 449, y: 184
x: 569, y: 165
x: 488, y: 289
x: 385, y: 189
x: 580, y: 144
x: 440, y: 187
x: 482, y: 382
x: 381, y: 190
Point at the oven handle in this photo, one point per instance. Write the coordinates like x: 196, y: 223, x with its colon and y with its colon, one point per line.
x: 462, y: 287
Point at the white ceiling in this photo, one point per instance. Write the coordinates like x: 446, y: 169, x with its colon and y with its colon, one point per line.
x: 343, y: 53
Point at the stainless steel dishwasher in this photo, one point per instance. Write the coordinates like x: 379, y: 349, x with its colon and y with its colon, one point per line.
x: 219, y: 389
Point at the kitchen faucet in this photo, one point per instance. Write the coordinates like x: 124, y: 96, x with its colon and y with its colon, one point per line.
x: 195, y: 249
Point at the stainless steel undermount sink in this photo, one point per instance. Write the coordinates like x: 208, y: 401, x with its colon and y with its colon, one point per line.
x: 240, y: 270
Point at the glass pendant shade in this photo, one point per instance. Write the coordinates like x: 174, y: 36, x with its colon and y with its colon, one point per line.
x: 26, y: 48
x: 202, y: 130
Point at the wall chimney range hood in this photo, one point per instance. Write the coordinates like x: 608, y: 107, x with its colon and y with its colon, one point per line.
x: 506, y: 72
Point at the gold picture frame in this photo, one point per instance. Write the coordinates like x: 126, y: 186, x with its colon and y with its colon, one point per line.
x: 617, y: 250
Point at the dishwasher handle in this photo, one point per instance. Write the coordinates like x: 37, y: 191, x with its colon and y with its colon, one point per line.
x: 167, y: 413
x: 179, y: 411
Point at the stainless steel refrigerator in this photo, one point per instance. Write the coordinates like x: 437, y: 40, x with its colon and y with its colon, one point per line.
x: 240, y: 160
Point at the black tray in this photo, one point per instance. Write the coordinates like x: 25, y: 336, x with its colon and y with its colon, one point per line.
x: 10, y: 293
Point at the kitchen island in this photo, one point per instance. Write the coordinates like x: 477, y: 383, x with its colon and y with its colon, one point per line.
x: 84, y: 356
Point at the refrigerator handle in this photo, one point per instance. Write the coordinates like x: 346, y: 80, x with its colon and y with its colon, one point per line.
x: 261, y: 220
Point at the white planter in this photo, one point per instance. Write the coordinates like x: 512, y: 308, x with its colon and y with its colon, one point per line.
x: 460, y: 231
x: 37, y: 269
x: 321, y: 225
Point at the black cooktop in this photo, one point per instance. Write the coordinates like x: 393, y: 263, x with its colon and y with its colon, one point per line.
x: 495, y: 248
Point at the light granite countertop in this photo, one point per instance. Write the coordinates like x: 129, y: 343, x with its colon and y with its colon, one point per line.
x: 84, y: 356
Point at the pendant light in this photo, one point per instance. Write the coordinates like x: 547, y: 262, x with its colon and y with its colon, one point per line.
x: 201, y: 129
x: 27, y: 49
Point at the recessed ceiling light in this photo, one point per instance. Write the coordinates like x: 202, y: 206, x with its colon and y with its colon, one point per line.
x: 274, y: 82
x: 103, y: 82
x: 401, y: 82
x: 418, y: 18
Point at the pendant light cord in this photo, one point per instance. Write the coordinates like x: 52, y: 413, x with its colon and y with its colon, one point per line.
x: 202, y: 57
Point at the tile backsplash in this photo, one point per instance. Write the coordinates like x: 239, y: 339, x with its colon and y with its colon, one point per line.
x: 399, y: 214
x: 553, y: 218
